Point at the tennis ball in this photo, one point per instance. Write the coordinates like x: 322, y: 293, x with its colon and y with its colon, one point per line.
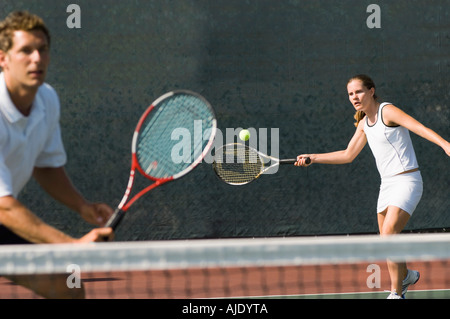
x: 244, y: 135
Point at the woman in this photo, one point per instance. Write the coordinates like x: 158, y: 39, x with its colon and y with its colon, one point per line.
x: 386, y: 128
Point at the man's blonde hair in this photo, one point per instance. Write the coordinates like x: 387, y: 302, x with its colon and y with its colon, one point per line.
x: 19, y: 21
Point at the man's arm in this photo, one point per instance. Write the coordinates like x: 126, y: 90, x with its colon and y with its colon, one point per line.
x: 24, y: 223
x: 21, y: 221
x: 57, y: 184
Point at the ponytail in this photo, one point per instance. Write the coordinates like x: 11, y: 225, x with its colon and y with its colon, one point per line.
x: 359, y: 115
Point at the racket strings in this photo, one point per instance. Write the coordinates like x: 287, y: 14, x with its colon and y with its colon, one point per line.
x: 167, y: 144
x: 237, y: 164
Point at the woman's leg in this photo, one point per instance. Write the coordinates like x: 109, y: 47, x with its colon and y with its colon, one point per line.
x: 392, y: 221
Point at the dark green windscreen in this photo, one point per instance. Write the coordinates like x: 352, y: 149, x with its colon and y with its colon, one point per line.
x: 262, y: 64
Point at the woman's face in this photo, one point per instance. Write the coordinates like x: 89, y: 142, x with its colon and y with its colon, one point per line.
x: 359, y: 95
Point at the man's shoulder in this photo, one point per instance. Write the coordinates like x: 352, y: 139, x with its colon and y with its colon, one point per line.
x: 48, y: 96
x: 47, y: 91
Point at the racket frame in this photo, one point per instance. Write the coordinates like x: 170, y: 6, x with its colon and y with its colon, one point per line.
x: 262, y: 157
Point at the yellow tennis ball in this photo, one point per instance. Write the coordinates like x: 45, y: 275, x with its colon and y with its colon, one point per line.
x: 244, y: 135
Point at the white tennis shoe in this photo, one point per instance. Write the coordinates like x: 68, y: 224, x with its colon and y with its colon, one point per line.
x: 412, y: 276
x: 394, y: 295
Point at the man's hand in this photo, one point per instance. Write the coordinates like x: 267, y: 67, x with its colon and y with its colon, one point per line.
x: 96, y: 213
x: 97, y: 235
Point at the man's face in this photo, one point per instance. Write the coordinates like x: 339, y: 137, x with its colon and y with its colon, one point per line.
x: 25, y: 64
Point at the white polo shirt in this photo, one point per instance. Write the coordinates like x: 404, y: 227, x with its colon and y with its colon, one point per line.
x: 28, y: 141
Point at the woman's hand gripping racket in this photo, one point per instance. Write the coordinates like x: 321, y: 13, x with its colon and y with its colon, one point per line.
x: 239, y: 164
x: 155, y: 146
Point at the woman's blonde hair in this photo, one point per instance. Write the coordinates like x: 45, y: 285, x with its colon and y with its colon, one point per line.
x: 368, y: 83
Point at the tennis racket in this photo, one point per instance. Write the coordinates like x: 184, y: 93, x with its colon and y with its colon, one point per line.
x: 155, y: 150
x: 239, y: 164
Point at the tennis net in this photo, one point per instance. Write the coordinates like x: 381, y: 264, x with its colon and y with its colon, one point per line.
x: 292, y: 267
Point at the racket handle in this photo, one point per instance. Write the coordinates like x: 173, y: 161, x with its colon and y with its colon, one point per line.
x: 293, y: 161
x: 115, y: 219
x: 288, y: 161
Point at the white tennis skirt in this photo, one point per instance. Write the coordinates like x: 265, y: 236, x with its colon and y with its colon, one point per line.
x: 403, y: 191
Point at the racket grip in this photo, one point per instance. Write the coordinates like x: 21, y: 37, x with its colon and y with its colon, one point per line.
x: 293, y: 161
x: 115, y: 219
x: 288, y: 161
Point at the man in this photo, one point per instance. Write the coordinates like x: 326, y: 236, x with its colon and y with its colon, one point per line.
x: 30, y: 138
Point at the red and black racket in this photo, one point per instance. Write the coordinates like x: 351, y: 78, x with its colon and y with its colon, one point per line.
x: 171, y: 138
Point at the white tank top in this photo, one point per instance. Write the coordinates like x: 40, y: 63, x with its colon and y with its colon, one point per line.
x: 391, y: 146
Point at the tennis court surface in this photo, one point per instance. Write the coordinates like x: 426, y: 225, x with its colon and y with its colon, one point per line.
x: 295, y: 267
